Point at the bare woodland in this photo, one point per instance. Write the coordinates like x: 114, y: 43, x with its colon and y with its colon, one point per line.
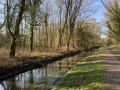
x: 44, y: 25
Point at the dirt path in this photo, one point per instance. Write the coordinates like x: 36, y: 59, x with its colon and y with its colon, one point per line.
x: 112, y: 69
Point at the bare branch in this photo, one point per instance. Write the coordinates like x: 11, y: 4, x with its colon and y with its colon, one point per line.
x: 110, y: 9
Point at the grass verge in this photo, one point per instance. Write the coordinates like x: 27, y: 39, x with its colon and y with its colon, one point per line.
x: 115, y: 48
x: 86, y: 75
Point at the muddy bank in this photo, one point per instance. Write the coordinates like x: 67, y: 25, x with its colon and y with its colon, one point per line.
x: 36, y: 62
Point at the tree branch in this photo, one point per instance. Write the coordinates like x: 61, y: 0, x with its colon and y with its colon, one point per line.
x: 109, y: 9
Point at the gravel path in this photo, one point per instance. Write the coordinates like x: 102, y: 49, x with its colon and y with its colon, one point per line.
x: 111, y: 65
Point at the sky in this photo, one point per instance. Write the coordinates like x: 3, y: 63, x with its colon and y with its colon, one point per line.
x: 1, y: 11
x: 99, y: 11
x: 98, y: 15
x: 98, y: 5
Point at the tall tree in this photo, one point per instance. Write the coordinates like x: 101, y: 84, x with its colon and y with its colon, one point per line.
x: 60, y: 4
x: 46, y: 16
x: 10, y: 18
x: 33, y: 8
x: 112, y: 16
x: 75, y: 9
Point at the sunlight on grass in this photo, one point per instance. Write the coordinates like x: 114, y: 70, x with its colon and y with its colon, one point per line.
x: 115, y: 48
x: 86, y: 75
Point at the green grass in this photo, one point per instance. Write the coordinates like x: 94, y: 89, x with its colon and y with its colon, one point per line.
x: 115, y: 48
x: 86, y: 75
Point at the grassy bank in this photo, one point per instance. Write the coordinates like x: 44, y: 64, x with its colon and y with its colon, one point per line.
x: 86, y: 75
x: 115, y: 48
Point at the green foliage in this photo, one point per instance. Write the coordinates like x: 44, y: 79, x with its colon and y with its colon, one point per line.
x: 86, y: 36
x: 86, y: 75
x: 113, y: 22
x: 115, y: 48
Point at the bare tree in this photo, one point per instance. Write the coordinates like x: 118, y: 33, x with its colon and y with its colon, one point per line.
x: 10, y: 18
x: 112, y: 16
x: 60, y: 4
x: 46, y: 16
x: 32, y: 10
x: 76, y: 9
x: 111, y: 8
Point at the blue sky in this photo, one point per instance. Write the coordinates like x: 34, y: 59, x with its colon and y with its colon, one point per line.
x: 99, y: 11
x: 97, y: 15
x: 1, y: 11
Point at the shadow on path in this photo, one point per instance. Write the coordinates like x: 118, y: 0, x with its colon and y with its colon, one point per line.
x: 111, y: 65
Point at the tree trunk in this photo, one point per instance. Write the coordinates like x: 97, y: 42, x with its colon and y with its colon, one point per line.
x: 17, y: 24
x: 12, y: 48
x: 46, y: 44
x: 24, y: 42
x: 68, y: 43
x: 32, y: 24
x: 69, y: 37
x: 60, y: 32
x: 31, y: 38
x: 60, y: 40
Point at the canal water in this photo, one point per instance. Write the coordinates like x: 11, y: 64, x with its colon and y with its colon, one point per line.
x: 42, y: 78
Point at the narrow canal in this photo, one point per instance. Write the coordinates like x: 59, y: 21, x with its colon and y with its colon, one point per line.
x: 42, y: 78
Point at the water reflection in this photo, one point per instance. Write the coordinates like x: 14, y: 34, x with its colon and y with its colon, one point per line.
x: 43, y: 78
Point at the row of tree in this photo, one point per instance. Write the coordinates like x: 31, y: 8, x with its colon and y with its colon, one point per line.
x: 112, y: 20
x: 41, y: 25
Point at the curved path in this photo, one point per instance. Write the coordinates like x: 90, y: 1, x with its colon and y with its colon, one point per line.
x: 111, y: 65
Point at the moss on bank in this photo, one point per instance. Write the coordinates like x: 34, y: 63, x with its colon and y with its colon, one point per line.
x: 86, y: 75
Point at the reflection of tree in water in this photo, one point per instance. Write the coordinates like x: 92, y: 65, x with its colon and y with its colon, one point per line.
x: 42, y: 73
x: 60, y: 65
x: 52, y: 69
x: 31, y: 77
x: 68, y: 65
x: 9, y: 85
x: 3, y: 85
x: 46, y: 74
x: 12, y: 84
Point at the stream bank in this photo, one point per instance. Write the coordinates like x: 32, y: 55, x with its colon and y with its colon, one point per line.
x: 36, y: 62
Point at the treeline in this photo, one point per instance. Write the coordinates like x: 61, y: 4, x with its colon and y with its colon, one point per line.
x: 112, y: 20
x: 44, y: 24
